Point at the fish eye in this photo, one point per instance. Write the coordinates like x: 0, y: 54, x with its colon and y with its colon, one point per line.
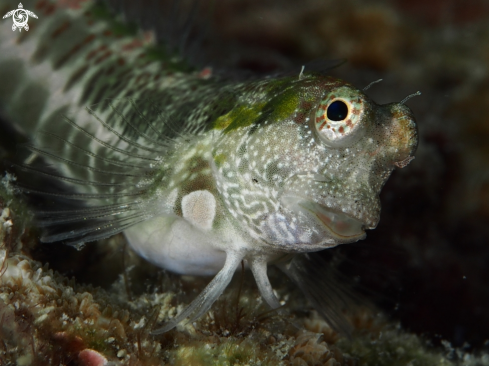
x: 337, y: 111
x: 338, y: 120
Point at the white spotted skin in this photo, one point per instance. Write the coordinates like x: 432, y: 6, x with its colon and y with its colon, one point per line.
x: 295, y: 192
x: 186, y: 246
x: 194, y: 230
x: 280, y: 189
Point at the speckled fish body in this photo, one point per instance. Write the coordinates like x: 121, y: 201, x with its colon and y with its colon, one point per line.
x: 199, y: 173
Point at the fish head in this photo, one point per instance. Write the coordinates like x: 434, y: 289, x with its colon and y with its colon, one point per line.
x: 305, y: 170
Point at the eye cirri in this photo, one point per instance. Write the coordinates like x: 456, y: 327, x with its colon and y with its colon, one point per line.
x: 338, y: 119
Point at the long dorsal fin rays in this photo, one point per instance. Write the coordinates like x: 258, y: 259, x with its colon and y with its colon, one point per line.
x: 94, y: 171
x: 93, y: 178
x: 120, y: 135
x: 124, y: 118
x: 89, y: 153
x: 96, y: 228
x: 209, y: 295
x: 149, y: 122
x: 106, y: 145
x: 94, y: 174
x: 142, y: 118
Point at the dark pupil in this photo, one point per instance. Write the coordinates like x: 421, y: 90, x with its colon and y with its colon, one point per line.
x: 337, y: 111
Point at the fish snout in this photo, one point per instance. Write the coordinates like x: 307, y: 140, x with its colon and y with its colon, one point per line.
x: 400, y: 134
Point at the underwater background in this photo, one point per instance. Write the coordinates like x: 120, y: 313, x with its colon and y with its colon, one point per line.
x: 425, y: 267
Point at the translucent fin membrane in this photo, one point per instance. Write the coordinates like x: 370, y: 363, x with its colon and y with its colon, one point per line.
x: 94, y: 229
x: 318, y: 280
x: 93, y: 178
x: 32, y: 170
x: 88, y: 153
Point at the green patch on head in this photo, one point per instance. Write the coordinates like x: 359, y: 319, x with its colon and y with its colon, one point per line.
x: 283, y: 105
x: 276, y: 103
x: 240, y: 116
x: 222, y: 122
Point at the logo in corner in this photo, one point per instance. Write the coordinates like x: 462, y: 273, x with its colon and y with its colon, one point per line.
x: 20, y: 17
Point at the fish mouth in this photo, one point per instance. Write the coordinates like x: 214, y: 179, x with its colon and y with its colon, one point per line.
x: 342, y: 226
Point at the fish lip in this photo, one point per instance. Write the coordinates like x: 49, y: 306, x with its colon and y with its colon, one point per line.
x: 341, y: 225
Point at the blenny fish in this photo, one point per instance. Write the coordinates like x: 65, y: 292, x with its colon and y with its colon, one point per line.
x: 201, y: 172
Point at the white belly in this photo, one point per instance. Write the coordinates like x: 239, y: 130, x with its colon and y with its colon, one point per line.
x: 175, y: 244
